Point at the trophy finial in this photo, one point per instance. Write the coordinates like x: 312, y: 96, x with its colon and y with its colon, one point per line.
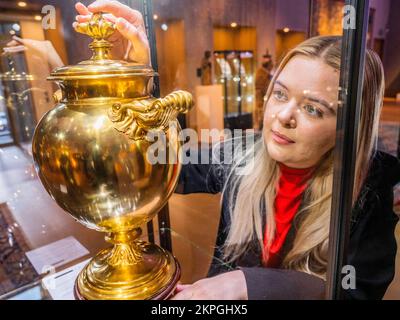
x: 100, y: 30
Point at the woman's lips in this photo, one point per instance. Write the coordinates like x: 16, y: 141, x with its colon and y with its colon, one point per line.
x: 280, y: 138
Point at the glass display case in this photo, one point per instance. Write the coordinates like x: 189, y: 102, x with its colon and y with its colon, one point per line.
x: 5, y: 128
x: 32, y: 224
x: 234, y: 70
x: 17, y: 88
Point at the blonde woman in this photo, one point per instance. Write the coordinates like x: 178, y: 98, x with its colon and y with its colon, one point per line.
x: 273, y: 234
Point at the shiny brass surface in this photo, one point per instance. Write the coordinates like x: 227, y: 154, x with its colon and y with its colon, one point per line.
x: 91, y: 154
x: 136, y: 270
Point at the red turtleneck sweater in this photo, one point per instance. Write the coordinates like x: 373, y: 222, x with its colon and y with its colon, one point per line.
x: 292, y: 184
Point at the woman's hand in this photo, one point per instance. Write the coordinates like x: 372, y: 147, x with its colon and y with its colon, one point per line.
x: 41, y: 48
x: 226, y: 286
x: 130, y: 40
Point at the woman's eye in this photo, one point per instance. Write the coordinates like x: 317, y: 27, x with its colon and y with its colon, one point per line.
x: 279, y: 95
x: 313, y: 111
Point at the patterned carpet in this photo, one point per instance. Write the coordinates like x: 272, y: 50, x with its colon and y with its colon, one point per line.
x: 15, y: 268
x: 388, y: 142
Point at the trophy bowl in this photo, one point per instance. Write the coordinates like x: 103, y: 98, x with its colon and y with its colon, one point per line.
x: 93, y: 156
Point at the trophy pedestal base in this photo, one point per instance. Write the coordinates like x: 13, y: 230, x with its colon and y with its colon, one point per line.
x: 165, y: 295
x: 153, y: 276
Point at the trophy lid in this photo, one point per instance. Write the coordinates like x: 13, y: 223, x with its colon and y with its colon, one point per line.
x: 100, y: 65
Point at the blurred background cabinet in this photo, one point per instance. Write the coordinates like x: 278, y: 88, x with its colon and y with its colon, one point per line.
x: 234, y: 70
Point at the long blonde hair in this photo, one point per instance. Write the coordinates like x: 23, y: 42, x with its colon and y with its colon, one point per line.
x: 251, y: 197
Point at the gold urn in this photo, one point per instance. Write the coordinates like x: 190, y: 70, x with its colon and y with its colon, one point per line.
x: 91, y: 153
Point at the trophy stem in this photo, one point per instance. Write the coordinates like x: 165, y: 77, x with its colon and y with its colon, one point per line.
x: 123, y: 237
x: 101, y: 50
x: 130, y: 269
x: 126, y: 250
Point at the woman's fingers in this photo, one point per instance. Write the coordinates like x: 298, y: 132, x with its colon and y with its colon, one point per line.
x: 178, y: 296
x: 26, y: 42
x: 82, y: 9
x: 81, y: 18
x: 18, y: 39
x: 12, y: 43
x: 181, y: 287
x: 183, y: 295
x: 86, y: 18
x: 85, y: 15
x: 14, y: 48
x: 119, y: 10
x: 137, y: 38
x: 129, y: 24
x: 183, y: 292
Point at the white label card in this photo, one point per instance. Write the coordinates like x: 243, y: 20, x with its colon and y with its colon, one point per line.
x: 56, y: 254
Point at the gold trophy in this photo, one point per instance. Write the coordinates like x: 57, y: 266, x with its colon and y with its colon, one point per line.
x: 91, y: 154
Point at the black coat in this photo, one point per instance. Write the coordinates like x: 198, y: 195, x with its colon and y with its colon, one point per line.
x: 372, y: 247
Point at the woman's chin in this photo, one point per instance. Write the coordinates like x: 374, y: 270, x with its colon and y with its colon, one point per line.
x: 277, y: 153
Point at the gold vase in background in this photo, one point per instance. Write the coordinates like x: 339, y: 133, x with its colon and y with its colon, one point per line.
x: 91, y: 154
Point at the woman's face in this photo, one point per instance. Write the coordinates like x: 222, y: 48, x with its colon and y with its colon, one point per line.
x: 300, y: 115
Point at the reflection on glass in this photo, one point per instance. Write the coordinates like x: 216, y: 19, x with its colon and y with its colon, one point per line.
x: 17, y: 94
x: 5, y: 128
x: 234, y: 71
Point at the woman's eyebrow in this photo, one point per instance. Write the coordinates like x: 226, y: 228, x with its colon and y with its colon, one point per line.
x: 322, y: 102
x: 281, y: 84
x: 311, y: 98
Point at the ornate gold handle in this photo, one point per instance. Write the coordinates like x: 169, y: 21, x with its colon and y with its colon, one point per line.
x: 57, y: 96
x: 135, y: 119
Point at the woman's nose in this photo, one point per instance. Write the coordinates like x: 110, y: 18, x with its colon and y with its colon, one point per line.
x: 287, y: 115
